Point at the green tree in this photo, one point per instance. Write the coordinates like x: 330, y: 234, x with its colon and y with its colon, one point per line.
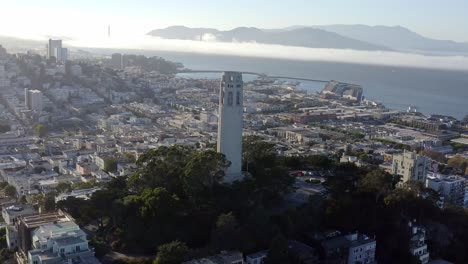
x: 437, y: 156
x: 226, y: 226
x: 129, y: 157
x: 257, y: 153
x: 4, y: 127
x: 278, y: 251
x: 162, y: 167
x: 458, y: 162
x: 174, y: 252
x: 378, y: 182
x: 23, y: 199
x: 10, y: 191
x: 63, y: 187
x: 157, y: 202
x: 41, y: 130
x: 49, y: 202
x: 203, y: 171
x: 110, y: 164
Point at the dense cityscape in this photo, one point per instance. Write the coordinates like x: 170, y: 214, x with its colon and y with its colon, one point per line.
x: 134, y: 159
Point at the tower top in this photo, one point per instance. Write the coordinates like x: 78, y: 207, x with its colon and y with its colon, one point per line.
x: 232, y: 76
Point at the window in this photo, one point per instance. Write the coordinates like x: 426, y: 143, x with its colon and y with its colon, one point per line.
x: 238, y: 98
x: 230, y: 98
x: 78, y: 248
x: 35, y: 262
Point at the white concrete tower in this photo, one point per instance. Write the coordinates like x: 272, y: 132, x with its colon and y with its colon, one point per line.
x: 230, y: 122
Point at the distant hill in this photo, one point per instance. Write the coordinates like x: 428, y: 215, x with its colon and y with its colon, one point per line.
x: 397, y: 38
x: 358, y: 37
x: 303, y: 37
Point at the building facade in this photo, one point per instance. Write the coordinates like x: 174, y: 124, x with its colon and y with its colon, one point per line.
x: 33, y: 100
x: 450, y: 187
x: 55, y: 50
x: 351, y: 249
x: 410, y: 166
x: 117, y: 61
x: 418, y: 246
x: 230, y: 123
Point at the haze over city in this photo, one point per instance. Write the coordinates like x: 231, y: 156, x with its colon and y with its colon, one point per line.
x: 233, y: 132
x: 130, y: 21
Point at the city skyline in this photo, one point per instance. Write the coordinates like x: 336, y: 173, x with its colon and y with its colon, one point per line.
x: 87, y: 19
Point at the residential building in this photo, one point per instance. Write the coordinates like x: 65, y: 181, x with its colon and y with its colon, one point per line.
x: 301, y: 253
x: 351, y: 249
x: 418, y: 246
x: 256, y: 258
x: 230, y: 123
x: 62, y: 242
x: 55, y: 50
x: 80, y: 194
x: 10, y: 215
x: 33, y: 100
x: 410, y: 166
x: 52, y: 238
x: 450, y: 187
x: 117, y: 61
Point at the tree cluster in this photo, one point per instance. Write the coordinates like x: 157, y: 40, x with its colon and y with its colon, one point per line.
x: 177, y: 202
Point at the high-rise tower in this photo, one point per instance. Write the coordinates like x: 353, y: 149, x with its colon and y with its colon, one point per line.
x: 230, y: 122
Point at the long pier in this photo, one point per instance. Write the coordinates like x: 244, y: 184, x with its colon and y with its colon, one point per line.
x: 257, y: 74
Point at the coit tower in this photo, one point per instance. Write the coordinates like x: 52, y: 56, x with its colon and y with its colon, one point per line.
x: 230, y: 123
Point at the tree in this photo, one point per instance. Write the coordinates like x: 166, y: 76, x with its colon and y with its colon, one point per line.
x: 41, y: 130
x: 10, y: 191
x: 437, y: 156
x: 49, y: 202
x: 257, y: 154
x: 203, y: 171
x: 162, y: 167
x: 278, y: 252
x: 378, y: 182
x: 458, y: 162
x: 23, y: 199
x: 110, y: 164
x: 63, y: 187
x: 129, y: 157
x: 226, y: 226
x: 172, y: 253
x: 157, y: 202
x: 4, y: 127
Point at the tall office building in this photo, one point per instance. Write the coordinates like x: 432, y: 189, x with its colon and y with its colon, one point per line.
x: 54, y: 49
x: 117, y: 61
x: 230, y: 123
x: 64, y: 55
x: 33, y: 100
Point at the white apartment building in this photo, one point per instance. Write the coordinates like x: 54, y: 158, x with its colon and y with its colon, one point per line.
x: 410, y: 166
x: 418, y: 246
x: 450, y: 187
x: 33, y: 100
x: 62, y: 242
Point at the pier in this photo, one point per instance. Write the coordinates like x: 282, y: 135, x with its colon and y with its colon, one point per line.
x: 262, y: 75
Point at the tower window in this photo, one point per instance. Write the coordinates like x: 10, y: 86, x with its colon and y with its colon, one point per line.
x: 230, y: 98
x: 238, y: 98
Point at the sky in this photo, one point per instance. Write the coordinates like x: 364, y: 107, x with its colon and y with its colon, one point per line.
x: 90, y: 18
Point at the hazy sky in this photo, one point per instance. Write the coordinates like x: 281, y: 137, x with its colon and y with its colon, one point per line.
x: 89, y: 18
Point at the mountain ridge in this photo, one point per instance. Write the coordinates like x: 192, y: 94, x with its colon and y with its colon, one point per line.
x: 302, y: 37
x: 341, y: 36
